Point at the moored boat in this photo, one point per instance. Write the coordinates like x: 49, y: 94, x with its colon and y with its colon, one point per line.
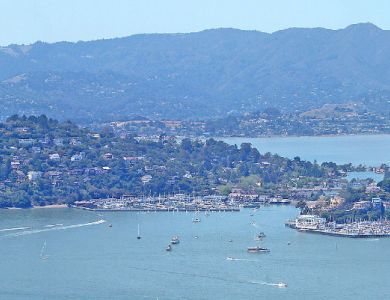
x: 260, y: 236
x: 258, y: 249
x: 175, y: 240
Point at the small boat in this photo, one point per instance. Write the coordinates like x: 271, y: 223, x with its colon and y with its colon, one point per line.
x: 281, y: 285
x: 196, y: 220
x: 230, y: 241
x: 175, y: 240
x: 260, y: 236
x: 168, y: 248
x: 288, y: 243
x: 109, y: 225
x: 258, y: 249
x: 229, y: 258
x: 196, y: 237
x: 138, y: 234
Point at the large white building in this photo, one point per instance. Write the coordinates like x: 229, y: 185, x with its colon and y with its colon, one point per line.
x: 310, y: 222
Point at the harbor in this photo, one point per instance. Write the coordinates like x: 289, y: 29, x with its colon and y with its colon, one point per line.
x: 174, y: 203
x: 217, y: 245
x: 361, y: 229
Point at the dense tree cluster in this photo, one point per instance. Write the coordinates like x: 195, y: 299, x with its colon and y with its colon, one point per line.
x: 43, y: 161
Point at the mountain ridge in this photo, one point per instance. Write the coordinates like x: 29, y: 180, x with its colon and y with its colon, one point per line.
x: 200, y: 74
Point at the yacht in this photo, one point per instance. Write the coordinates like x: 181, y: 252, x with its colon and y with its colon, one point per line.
x: 258, y: 249
x: 175, y: 240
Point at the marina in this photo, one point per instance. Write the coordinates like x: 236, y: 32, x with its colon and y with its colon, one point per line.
x: 364, y: 229
x: 174, y: 203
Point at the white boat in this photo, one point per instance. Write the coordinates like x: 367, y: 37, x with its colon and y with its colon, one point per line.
x: 175, y: 240
x: 258, y: 249
x: 196, y: 220
x: 281, y: 285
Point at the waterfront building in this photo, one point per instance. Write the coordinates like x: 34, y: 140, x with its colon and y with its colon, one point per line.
x: 310, y: 222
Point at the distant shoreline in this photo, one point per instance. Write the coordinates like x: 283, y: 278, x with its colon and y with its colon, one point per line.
x: 299, y: 136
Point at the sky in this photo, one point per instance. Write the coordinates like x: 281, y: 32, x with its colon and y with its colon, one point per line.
x: 28, y: 21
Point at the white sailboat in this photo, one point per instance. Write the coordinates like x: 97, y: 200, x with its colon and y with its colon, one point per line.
x: 43, y: 254
x: 138, y: 234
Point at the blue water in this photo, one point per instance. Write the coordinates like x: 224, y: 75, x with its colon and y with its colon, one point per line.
x: 371, y: 150
x: 98, y: 262
x: 90, y: 260
x: 365, y: 175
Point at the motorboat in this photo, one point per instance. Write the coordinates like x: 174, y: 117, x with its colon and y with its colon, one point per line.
x: 260, y: 236
x: 175, y: 240
x: 258, y: 249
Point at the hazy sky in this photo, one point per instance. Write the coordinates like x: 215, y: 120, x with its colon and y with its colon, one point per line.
x: 26, y: 21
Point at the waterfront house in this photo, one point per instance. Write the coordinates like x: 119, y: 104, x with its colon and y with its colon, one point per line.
x: 26, y: 142
x: 372, y: 188
x: 33, y: 175
x: 146, y: 178
x: 54, y: 156
x: 76, y: 157
x: 15, y: 164
x: 361, y: 205
x: 108, y: 156
x: 376, y: 202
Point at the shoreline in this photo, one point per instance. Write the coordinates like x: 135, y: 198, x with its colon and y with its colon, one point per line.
x: 302, y: 136
x: 51, y: 206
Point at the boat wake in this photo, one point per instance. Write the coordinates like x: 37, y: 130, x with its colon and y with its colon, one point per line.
x: 224, y: 279
x: 27, y: 232
x: 241, y: 259
x: 278, y: 284
x: 372, y: 240
x: 14, y: 229
x: 53, y: 225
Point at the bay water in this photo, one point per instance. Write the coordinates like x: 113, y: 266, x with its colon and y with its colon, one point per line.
x: 74, y: 254
x: 87, y: 259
